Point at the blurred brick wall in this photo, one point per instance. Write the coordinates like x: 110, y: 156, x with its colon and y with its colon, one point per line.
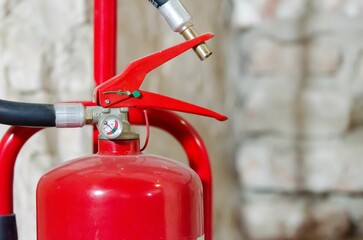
x: 297, y: 94
x: 46, y: 56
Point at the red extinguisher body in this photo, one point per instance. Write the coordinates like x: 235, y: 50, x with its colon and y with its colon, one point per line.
x: 120, y: 193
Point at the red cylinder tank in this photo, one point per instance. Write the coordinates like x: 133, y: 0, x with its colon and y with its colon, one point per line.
x: 118, y: 194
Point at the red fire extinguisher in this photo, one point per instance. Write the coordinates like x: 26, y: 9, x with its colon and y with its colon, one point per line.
x: 119, y: 192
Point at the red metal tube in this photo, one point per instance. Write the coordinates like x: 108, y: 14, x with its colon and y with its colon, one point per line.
x: 194, y: 147
x: 10, y: 146
x: 105, y: 45
x: 105, y: 40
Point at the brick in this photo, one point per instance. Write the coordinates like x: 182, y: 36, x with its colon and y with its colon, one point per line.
x: 73, y: 13
x: 292, y: 59
x: 263, y: 218
x: 28, y: 40
x: 24, y: 51
x: 357, y: 111
x: 277, y: 164
x: 2, y: 9
x: 352, y: 8
x: 324, y: 219
x: 268, y: 165
x: 276, y: 107
x: 3, y: 85
x: 270, y: 58
x: 72, y: 148
x: 324, y: 59
x: 72, y: 75
x: 24, y: 74
x: 341, y: 163
x: 249, y: 13
x: 272, y: 217
x: 357, y: 85
x: 354, y: 207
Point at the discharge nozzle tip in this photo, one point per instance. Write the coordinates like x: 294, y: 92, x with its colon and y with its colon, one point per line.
x: 202, y: 50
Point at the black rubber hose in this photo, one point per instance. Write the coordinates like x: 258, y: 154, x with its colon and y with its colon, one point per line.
x: 8, y: 230
x: 27, y: 114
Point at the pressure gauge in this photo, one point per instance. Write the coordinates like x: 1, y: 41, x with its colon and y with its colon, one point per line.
x: 110, y: 127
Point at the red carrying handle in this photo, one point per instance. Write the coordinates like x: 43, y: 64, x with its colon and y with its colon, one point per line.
x: 123, y: 90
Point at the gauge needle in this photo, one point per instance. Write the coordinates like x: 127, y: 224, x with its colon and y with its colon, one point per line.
x: 108, y: 125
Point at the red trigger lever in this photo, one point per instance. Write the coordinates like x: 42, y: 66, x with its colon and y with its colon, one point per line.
x: 123, y: 90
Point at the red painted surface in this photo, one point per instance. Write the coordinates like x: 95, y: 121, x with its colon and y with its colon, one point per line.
x: 105, y: 40
x: 120, y: 194
x: 105, y: 45
x: 193, y: 146
x: 10, y: 146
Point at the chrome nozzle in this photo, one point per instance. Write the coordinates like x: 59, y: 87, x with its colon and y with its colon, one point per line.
x: 202, y: 50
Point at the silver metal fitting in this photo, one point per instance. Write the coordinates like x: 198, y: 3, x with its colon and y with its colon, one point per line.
x: 175, y: 14
x: 69, y: 115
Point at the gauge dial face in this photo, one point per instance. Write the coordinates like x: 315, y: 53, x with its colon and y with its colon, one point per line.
x: 111, y: 127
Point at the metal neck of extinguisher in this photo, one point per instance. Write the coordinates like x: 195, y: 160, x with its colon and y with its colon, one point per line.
x: 119, y: 147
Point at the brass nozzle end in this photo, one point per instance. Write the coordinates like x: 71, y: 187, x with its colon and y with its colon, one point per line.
x: 202, y: 50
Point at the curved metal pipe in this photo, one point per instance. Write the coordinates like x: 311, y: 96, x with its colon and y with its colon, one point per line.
x: 105, y: 40
x: 10, y: 146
